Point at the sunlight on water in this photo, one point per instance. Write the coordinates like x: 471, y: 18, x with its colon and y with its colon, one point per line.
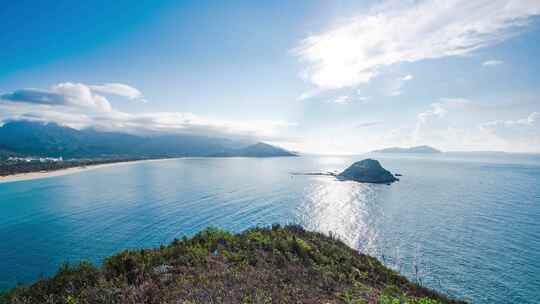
x: 340, y: 208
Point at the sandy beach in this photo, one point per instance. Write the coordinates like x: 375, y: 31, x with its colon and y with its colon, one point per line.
x: 78, y: 169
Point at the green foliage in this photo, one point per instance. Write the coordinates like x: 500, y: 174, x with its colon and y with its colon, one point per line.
x: 260, y: 265
x: 393, y: 295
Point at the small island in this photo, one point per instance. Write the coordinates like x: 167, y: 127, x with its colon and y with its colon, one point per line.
x: 367, y: 171
x: 261, y: 265
x: 411, y: 150
x: 364, y: 171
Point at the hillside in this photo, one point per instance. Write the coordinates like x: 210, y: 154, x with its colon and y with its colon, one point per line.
x: 417, y: 149
x: 270, y: 265
x: 39, y: 139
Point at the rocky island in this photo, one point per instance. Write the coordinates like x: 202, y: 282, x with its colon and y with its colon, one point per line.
x: 367, y: 171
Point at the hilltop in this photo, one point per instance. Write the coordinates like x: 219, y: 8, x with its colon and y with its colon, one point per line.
x: 417, y: 149
x: 262, y: 265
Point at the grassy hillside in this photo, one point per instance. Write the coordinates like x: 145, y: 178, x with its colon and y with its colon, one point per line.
x: 270, y: 265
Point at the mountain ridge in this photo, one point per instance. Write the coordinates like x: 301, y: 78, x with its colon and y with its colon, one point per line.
x: 53, y: 140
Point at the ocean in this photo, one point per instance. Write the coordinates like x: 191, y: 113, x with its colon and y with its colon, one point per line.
x: 464, y: 224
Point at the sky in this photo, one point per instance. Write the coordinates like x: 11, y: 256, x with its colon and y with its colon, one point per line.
x: 333, y: 77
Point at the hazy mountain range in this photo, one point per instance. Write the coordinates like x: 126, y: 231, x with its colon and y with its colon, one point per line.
x: 49, y: 139
x: 417, y: 149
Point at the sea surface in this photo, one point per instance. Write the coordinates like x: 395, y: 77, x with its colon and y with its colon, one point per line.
x: 465, y: 224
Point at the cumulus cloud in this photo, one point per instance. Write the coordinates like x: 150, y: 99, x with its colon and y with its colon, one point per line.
x: 353, y: 52
x: 432, y: 125
x: 78, y: 106
x: 522, y: 131
x: 188, y: 123
x: 493, y: 62
x: 460, y: 124
x: 63, y: 94
x: 119, y: 89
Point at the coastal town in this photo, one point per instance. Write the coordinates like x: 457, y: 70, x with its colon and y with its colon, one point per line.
x: 29, y: 159
x: 22, y: 165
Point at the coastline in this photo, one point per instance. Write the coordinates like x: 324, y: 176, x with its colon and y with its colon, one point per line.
x: 72, y: 170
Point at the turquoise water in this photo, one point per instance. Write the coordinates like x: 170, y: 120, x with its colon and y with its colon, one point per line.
x: 467, y: 226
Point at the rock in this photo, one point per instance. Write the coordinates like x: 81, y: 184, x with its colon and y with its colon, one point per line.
x: 162, y: 269
x: 367, y: 171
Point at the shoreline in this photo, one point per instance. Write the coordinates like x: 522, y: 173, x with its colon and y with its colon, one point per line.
x: 72, y: 170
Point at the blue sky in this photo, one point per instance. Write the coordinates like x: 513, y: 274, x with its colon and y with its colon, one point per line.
x: 313, y: 76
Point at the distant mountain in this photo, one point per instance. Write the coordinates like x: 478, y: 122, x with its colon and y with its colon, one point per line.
x: 50, y: 139
x: 417, y: 149
x: 257, y: 150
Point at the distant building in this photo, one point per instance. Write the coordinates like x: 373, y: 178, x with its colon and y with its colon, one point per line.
x: 35, y: 159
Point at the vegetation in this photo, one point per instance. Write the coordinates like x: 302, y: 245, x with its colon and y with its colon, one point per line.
x: 9, y: 167
x: 262, y: 265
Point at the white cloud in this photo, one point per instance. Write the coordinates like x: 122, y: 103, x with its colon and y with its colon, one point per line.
x: 450, y: 124
x: 530, y: 121
x: 64, y: 94
x: 408, y: 77
x: 342, y: 100
x: 430, y: 124
x: 433, y: 126
x: 309, y: 94
x: 492, y: 62
x: 369, y: 124
x: 523, y: 132
x: 457, y: 124
x: 354, y: 51
x: 395, y: 86
x: 74, y: 105
x: 119, y: 89
x: 76, y: 95
x: 364, y: 99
